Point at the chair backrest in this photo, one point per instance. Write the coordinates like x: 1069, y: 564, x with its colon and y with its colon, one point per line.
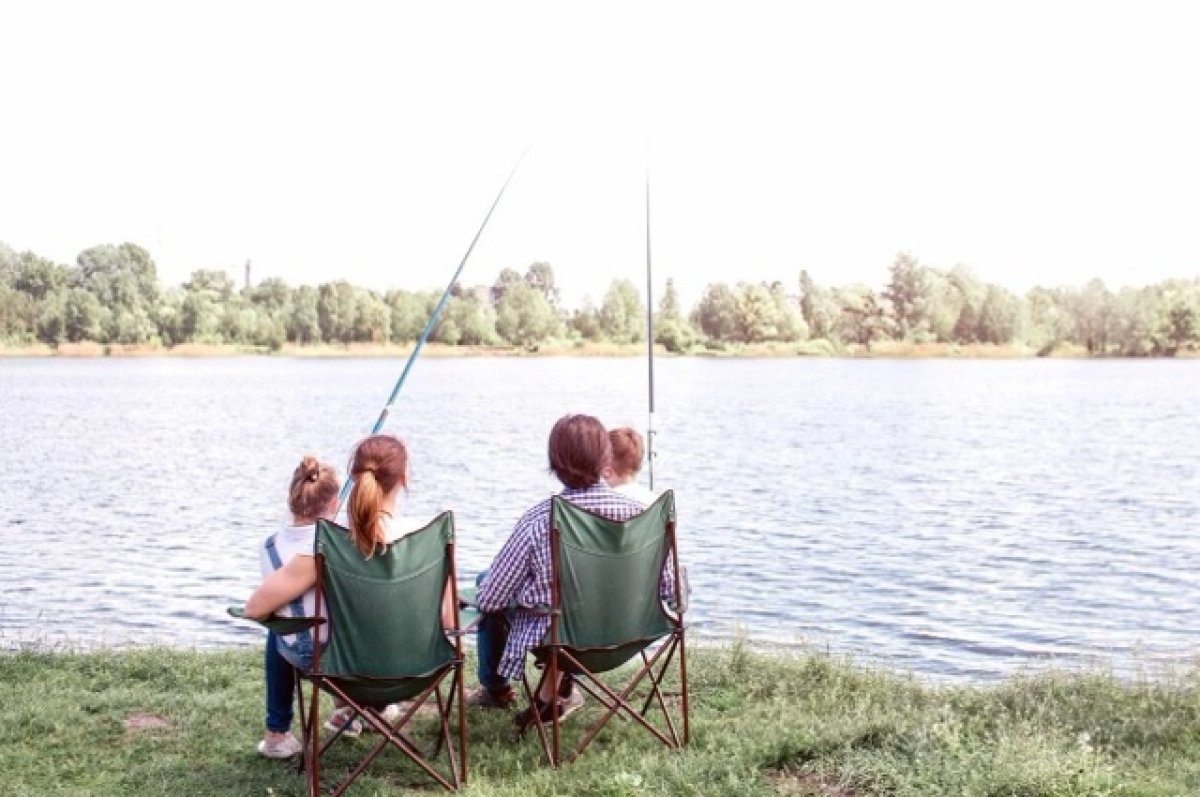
x: 608, y: 576
x: 385, y: 612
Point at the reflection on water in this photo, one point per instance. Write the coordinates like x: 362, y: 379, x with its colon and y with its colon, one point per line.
x: 956, y: 518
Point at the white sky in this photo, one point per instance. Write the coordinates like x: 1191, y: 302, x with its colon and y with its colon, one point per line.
x: 1043, y: 142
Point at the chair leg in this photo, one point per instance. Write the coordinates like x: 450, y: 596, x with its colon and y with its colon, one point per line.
x: 299, y: 682
x: 620, y: 701
x: 530, y: 696
x: 313, y: 747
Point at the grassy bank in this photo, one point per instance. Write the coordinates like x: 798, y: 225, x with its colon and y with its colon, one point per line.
x: 159, y: 722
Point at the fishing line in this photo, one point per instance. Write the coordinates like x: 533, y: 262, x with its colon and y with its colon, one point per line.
x: 433, y: 317
x: 649, y: 341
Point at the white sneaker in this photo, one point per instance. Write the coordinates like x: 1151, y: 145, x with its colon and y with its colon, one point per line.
x: 284, y: 746
x: 343, y: 719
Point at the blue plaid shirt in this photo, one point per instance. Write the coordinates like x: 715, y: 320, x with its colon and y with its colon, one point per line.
x: 520, y: 573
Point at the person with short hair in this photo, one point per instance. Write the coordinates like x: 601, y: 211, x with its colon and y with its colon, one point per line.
x: 518, y: 580
x: 628, y: 453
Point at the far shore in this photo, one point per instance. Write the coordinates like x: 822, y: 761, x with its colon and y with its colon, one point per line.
x: 812, y: 348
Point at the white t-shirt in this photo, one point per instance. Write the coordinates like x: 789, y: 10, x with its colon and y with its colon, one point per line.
x: 637, y: 492
x: 299, y: 541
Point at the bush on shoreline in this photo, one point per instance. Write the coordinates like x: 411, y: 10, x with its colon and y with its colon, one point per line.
x: 157, y: 721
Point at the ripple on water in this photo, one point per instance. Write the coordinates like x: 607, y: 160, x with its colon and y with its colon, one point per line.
x: 961, y: 519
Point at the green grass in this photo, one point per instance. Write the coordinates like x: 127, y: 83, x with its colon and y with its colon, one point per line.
x: 762, y: 724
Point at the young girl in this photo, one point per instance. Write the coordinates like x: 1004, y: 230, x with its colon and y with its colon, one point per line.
x: 379, y: 468
x: 312, y: 495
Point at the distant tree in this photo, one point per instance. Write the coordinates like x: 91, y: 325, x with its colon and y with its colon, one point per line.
x: 304, y: 321
x: 337, y: 305
x: 622, y: 313
x: 272, y: 293
x: 585, y: 321
x: 524, y: 317
x: 671, y: 329
x: 1092, y: 308
x: 18, y: 315
x: 716, y: 314
x: 507, y: 278
x: 755, y: 313
x: 817, y: 308
x: 168, y: 316
x: 475, y: 320
x: 1183, y: 325
x: 372, y: 317
x: 410, y: 312
x: 34, y: 275
x: 946, y: 300
x: 909, y: 292
x: 125, y: 280
x: 789, y: 322
x: 541, y: 276
x: 215, y: 283
x: 999, y: 316
x: 864, y: 317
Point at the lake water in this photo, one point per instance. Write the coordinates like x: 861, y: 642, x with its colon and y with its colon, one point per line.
x: 962, y: 519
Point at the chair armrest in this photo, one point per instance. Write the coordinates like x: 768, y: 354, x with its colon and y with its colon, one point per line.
x: 280, y: 625
x: 681, y: 602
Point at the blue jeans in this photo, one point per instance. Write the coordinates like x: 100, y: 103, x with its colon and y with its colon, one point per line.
x: 491, y: 636
x: 281, y: 681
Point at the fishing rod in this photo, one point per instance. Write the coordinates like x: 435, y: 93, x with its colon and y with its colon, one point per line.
x: 433, y: 317
x: 649, y: 341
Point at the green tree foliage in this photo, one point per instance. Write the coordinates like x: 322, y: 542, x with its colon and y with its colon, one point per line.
x: 33, y: 275
x: 818, y: 309
x: 671, y: 329
x: 585, y: 321
x: 18, y: 315
x: 304, y: 319
x: 524, y: 317
x: 505, y: 280
x: 864, y: 316
x: 541, y: 276
x: 717, y: 313
x: 125, y: 280
x: 476, y: 321
x: 1093, y: 310
x: 410, y: 312
x: 372, y: 317
x: 112, y: 295
x: 910, y: 292
x: 789, y: 322
x: 622, y: 314
x: 337, y: 306
x: 999, y: 316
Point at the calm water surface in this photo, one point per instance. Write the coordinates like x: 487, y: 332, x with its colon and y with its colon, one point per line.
x: 955, y: 518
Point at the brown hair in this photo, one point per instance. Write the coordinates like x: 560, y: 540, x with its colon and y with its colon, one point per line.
x: 314, y: 485
x: 579, y: 450
x: 627, y: 451
x: 379, y: 465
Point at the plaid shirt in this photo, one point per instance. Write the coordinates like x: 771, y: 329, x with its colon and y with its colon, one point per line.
x: 520, y: 573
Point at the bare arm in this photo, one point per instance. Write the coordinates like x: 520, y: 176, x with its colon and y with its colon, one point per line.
x: 296, y: 577
x: 448, y: 608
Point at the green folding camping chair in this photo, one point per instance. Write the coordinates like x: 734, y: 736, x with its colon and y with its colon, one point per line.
x: 606, y: 610
x: 386, y: 644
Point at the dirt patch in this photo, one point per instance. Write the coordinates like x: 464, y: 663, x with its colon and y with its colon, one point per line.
x: 142, y: 721
x: 810, y: 784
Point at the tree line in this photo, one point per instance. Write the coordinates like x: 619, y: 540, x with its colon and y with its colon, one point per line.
x: 112, y: 295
